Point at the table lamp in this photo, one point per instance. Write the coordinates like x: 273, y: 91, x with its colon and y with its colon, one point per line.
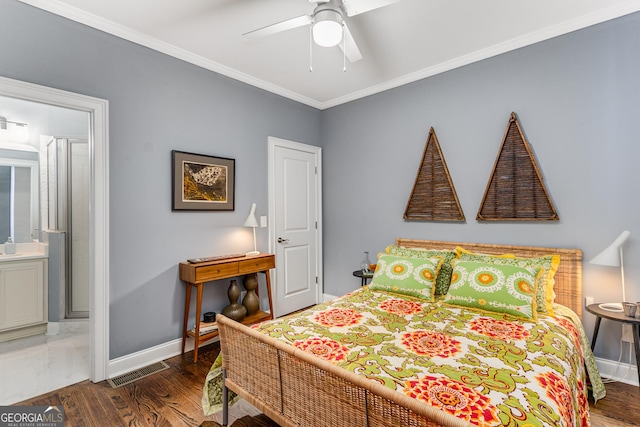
x: 612, y: 256
x: 253, y: 223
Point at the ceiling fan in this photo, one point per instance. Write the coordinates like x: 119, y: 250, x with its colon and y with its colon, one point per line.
x: 328, y: 25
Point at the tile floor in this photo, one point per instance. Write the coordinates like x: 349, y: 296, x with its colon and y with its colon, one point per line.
x: 35, y: 365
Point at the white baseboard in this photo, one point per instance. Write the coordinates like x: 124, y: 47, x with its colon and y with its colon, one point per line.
x: 621, y: 372
x: 149, y: 356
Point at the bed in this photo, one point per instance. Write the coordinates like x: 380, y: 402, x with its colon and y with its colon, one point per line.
x: 382, y: 357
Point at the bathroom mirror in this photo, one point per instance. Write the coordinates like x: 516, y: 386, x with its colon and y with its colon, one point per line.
x: 19, y: 195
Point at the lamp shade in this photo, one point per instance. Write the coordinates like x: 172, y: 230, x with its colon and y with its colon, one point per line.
x: 611, y: 254
x: 251, y: 219
x: 251, y: 222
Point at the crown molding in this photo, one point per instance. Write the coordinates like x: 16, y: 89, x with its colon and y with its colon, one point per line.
x: 495, y: 50
x: 128, y: 34
x: 110, y: 27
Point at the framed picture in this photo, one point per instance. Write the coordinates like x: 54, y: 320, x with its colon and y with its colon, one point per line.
x: 203, y: 183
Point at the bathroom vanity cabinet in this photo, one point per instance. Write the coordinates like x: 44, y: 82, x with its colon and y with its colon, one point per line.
x: 23, y: 298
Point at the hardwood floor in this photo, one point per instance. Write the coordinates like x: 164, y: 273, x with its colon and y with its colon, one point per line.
x: 168, y: 398
x: 172, y: 398
x: 621, y: 404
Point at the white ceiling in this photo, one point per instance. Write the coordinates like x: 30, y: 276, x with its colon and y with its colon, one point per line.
x: 400, y: 43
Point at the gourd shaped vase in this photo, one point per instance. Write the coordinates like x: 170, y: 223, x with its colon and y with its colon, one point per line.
x: 251, y: 300
x: 234, y: 310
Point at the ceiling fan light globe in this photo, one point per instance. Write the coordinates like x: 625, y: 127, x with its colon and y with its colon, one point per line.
x: 327, y: 29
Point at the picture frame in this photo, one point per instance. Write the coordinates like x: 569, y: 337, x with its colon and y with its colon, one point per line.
x: 202, y: 182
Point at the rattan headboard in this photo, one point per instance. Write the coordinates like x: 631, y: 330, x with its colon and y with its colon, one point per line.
x: 568, y: 278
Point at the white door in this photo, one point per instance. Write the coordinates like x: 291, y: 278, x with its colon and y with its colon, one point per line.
x: 294, y: 208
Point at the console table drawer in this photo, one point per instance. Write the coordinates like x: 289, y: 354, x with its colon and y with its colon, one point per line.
x: 254, y: 265
x: 216, y: 271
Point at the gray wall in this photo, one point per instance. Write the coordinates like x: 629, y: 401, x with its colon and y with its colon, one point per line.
x: 577, y: 96
x: 156, y: 104
x: 578, y: 100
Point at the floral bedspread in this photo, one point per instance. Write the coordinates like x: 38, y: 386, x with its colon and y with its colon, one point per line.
x: 486, y: 368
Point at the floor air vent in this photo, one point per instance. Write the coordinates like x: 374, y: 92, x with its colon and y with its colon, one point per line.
x: 132, y: 376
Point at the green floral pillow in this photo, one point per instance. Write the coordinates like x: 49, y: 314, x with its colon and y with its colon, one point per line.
x: 407, y: 276
x: 444, y: 275
x: 494, y: 287
x: 544, y: 290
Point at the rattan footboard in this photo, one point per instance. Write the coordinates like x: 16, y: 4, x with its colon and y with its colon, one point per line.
x: 295, y: 388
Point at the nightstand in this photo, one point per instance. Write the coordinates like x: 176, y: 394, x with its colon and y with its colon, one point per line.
x: 363, y: 276
x: 616, y: 317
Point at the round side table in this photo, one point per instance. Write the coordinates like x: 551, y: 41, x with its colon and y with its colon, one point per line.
x: 601, y: 313
x: 363, y: 276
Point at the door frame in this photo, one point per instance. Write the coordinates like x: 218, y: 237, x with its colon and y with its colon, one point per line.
x: 98, y: 110
x: 274, y: 142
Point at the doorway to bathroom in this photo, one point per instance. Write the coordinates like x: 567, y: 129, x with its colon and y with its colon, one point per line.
x: 96, y: 112
x: 48, y: 202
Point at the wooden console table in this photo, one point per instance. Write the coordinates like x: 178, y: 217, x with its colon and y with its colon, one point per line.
x: 196, y: 274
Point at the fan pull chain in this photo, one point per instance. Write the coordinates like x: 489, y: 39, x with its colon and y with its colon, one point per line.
x: 344, y: 51
x: 311, y: 48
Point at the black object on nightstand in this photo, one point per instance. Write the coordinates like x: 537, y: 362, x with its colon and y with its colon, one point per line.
x: 616, y: 316
x: 363, y: 276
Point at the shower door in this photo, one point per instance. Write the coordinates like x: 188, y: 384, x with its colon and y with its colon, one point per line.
x: 68, y: 212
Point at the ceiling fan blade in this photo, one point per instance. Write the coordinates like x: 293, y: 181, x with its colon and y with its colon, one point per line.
x: 356, y: 7
x: 350, y: 47
x: 289, y: 24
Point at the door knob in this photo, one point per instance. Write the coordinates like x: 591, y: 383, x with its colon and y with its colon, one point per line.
x: 281, y: 240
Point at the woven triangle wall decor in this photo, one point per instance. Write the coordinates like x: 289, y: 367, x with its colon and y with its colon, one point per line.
x: 433, y: 197
x: 515, y: 191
